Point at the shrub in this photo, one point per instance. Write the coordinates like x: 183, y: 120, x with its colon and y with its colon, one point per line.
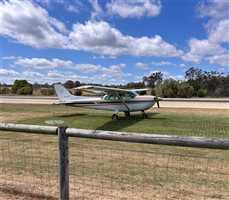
x: 168, y: 92
x: 202, y: 93
x: 25, y: 91
x: 185, y: 90
x: 47, y: 91
x: 4, y: 90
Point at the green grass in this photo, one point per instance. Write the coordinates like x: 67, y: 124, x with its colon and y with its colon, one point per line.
x: 109, y: 165
x: 161, y: 121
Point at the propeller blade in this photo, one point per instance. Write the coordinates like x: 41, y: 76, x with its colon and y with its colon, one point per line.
x: 158, y: 104
x: 157, y: 100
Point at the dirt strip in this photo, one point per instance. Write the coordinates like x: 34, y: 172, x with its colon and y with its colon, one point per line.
x: 180, y: 103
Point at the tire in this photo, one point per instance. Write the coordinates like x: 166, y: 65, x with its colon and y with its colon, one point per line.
x: 115, y: 117
x: 144, y: 116
x: 127, y: 114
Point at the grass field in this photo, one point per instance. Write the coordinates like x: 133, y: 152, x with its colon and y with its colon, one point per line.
x: 114, y: 170
x: 175, y: 121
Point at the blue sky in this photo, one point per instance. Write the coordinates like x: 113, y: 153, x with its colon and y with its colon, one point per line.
x: 113, y: 41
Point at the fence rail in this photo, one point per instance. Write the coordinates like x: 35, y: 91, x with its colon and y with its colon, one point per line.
x: 186, y: 141
x: 64, y: 133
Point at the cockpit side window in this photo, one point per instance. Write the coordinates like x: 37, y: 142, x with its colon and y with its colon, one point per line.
x: 124, y: 96
x: 128, y: 95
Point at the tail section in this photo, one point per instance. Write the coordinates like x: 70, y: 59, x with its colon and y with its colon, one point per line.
x: 63, y: 94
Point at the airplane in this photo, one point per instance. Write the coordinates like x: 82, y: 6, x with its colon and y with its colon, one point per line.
x: 113, y: 99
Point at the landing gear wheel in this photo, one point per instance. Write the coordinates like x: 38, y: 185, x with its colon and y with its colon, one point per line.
x: 144, y: 116
x: 127, y: 114
x: 115, y: 117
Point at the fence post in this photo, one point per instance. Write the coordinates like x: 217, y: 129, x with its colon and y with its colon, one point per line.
x: 63, y: 163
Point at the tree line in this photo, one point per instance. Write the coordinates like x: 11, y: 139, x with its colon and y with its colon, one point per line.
x: 197, y: 83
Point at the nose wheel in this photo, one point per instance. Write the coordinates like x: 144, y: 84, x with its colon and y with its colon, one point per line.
x: 115, y: 117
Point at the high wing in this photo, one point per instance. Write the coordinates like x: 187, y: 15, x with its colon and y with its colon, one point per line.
x: 107, y: 90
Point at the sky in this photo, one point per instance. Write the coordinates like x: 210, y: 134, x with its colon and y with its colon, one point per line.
x: 113, y: 41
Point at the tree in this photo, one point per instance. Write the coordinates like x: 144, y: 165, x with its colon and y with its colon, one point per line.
x: 170, y: 88
x: 193, y: 73
x: 69, y: 84
x: 133, y: 85
x: 185, y: 90
x: 153, y: 79
x: 77, y: 84
x: 18, y: 84
x: 194, y: 77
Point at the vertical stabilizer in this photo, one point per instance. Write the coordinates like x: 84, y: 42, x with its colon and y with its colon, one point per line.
x: 63, y: 94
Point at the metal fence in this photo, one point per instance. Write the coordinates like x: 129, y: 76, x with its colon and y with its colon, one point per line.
x: 36, y: 166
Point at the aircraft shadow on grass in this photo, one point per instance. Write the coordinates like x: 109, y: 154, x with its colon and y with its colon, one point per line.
x: 69, y: 114
x: 125, y: 122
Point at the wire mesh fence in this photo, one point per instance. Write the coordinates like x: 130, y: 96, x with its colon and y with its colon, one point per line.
x: 28, y: 166
x: 110, y: 170
x: 123, y: 173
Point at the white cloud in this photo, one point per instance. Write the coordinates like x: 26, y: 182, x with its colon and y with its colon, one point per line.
x: 55, y: 74
x: 163, y: 63
x: 105, y: 73
x: 218, y: 31
x: 30, y: 24
x: 213, y: 8
x: 97, y: 12
x: 100, y: 37
x: 220, y: 59
x: 8, y: 72
x: 137, y: 8
x: 140, y: 65
x: 211, y: 49
x: 75, y: 6
x: 42, y: 63
x: 182, y: 65
x: 180, y: 77
x: 166, y: 63
x: 202, y: 48
x: 32, y: 74
x: 72, y: 8
x: 10, y: 58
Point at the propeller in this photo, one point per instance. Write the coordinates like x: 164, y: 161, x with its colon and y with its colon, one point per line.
x: 157, y: 101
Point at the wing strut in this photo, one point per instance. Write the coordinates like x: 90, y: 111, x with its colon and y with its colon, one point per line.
x: 124, y: 103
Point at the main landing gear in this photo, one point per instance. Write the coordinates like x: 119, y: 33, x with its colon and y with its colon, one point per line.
x: 127, y: 114
x: 144, y: 115
x: 115, y: 116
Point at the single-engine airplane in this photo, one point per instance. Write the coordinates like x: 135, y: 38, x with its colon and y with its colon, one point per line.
x: 113, y: 99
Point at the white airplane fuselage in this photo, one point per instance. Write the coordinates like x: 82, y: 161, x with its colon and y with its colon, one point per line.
x: 139, y: 103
